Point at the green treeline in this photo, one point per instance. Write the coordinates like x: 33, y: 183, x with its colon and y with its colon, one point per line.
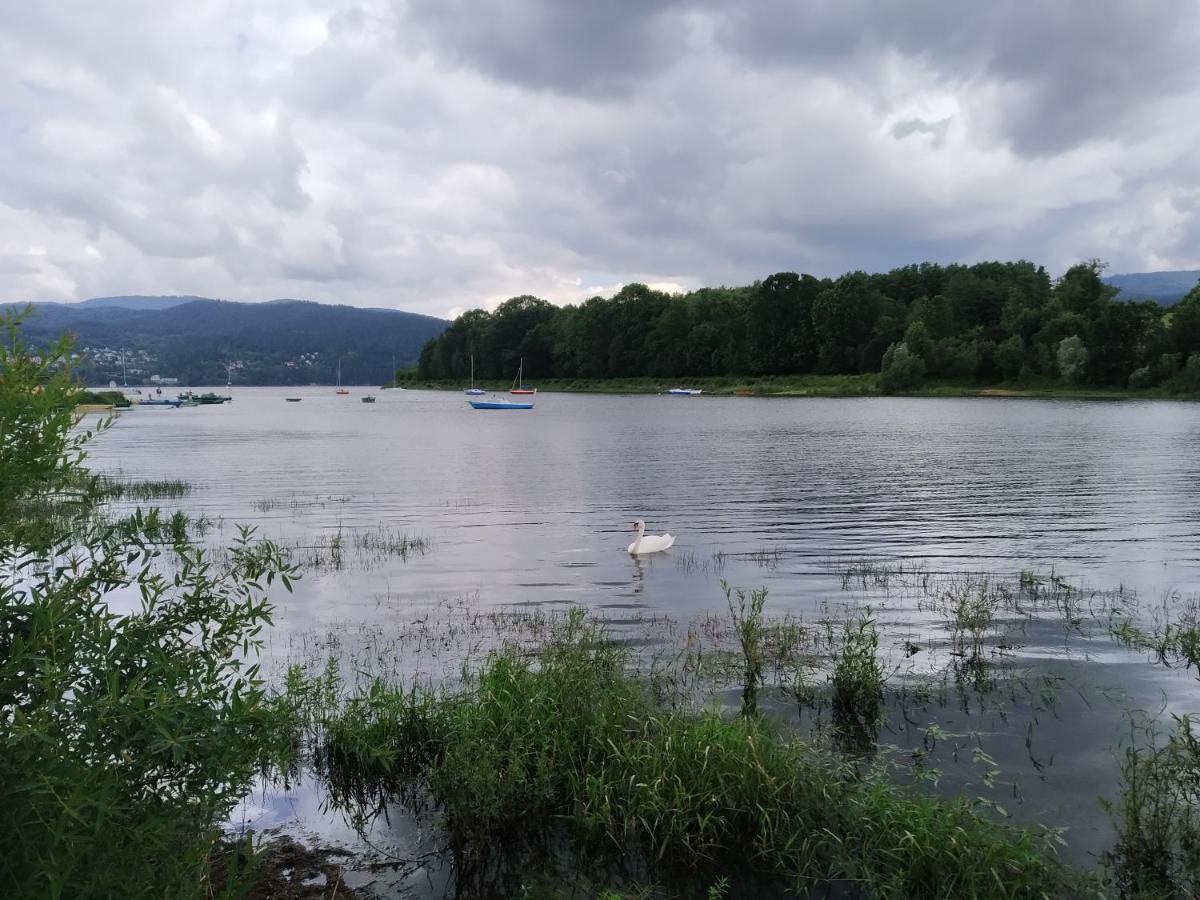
x: 990, y: 322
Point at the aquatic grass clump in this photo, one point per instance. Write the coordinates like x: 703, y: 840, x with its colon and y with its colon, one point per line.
x: 1173, y: 642
x: 570, y: 739
x: 858, y: 678
x: 746, y: 614
x: 371, y: 547
x: 1156, y: 815
x: 973, y: 606
x: 386, y: 542
x: 113, y: 488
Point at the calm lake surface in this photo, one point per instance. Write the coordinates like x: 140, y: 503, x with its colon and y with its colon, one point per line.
x: 534, y: 509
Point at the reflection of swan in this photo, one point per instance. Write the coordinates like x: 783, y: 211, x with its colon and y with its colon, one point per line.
x: 639, y: 576
x: 652, y: 544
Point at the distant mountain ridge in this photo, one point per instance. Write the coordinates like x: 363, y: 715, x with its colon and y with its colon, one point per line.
x: 199, y: 341
x: 136, y: 301
x: 1164, y: 287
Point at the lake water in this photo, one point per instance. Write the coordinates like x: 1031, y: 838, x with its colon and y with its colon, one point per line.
x: 534, y: 509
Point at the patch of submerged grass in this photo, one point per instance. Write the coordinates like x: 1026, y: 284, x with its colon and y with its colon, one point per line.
x: 1175, y: 640
x: 390, y: 542
x: 329, y: 553
x: 572, y: 738
x: 112, y: 488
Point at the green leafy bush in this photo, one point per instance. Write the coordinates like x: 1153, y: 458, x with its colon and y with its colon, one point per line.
x: 902, y: 370
x: 131, y: 714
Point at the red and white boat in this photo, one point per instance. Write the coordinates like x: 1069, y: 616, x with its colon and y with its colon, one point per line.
x: 519, y: 385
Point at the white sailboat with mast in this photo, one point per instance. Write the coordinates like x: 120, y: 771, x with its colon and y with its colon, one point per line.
x: 472, y: 390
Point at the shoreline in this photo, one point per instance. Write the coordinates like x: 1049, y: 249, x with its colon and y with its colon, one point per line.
x: 831, y: 386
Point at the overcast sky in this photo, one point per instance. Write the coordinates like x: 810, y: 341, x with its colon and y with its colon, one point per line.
x: 434, y: 155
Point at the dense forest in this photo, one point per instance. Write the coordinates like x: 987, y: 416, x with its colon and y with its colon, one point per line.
x: 990, y: 322
x: 196, y: 339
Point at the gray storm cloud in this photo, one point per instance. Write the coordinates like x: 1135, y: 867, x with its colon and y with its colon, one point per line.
x: 437, y: 155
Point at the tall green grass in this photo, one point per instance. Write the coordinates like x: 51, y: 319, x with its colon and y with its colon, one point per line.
x: 858, y: 678
x: 571, y: 740
x: 1156, y: 814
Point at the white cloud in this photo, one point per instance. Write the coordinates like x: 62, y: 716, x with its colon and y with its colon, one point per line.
x: 408, y: 155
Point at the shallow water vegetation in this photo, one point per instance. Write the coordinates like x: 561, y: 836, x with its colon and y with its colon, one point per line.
x: 386, y: 542
x: 330, y: 552
x: 1156, y: 815
x: 858, y: 679
x: 572, y: 738
x: 746, y: 614
x: 1173, y: 640
x: 113, y: 488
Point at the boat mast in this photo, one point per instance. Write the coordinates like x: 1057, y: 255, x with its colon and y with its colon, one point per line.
x: 124, y: 380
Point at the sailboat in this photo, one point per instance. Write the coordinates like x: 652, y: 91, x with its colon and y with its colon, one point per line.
x: 472, y: 390
x: 519, y: 385
x: 393, y: 384
x: 340, y: 389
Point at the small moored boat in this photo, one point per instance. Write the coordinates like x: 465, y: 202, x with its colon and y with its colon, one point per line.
x: 686, y: 392
x: 368, y: 399
x: 207, y: 399
x: 293, y: 399
x: 497, y: 403
x: 519, y: 385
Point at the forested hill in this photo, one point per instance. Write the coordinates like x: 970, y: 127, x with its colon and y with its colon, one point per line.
x: 280, y: 342
x: 989, y: 322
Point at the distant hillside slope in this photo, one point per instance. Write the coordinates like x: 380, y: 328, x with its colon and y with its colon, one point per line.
x: 1165, y: 287
x: 283, y: 342
x: 138, y: 302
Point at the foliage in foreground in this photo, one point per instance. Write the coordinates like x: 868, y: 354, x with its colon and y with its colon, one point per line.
x: 130, y: 716
x: 572, y: 738
x: 1157, y: 814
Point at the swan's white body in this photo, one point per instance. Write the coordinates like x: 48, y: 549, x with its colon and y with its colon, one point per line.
x: 652, y: 544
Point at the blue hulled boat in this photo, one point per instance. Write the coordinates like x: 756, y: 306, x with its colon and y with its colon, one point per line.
x: 499, y: 404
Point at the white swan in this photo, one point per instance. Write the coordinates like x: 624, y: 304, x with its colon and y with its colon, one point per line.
x: 652, y: 544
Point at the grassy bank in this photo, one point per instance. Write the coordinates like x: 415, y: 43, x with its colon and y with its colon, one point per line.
x: 818, y: 386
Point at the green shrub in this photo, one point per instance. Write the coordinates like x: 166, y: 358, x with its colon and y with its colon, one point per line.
x: 1072, y: 359
x: 125, y: 737
x: 902, y: 370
